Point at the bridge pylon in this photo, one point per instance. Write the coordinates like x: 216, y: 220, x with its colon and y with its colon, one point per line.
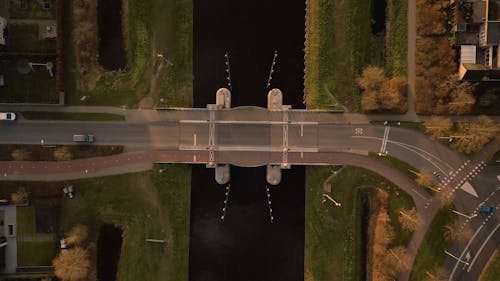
x: 222, y: 173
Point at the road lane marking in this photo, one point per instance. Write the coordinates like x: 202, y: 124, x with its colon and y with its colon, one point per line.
x: 384, y: 140
x: 463, y: 252
x: 256, y: 122
x: 410, y: 149
x: 194, y: 141
x: 415, y: 150
x: 482, y: 246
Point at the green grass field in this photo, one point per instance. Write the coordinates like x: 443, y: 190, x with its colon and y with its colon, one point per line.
x: 35, y: 87
x: 431, y: 253
x: 24, y: 38
x: 333, y: 240
x: 145, y: 205
x: 71, y: 116
x: 33, y: 253
x: 339, y: 44
x: 396, y: 39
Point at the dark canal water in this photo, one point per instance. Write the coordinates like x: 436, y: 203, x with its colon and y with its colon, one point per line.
x: 378, y: 16
x: 111, y: 49
x: 246, y: 246
x: 109, y: 245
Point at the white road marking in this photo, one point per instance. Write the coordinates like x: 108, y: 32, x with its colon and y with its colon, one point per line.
x: 467, y: 187
x: 249, y: 122
x: 194, y: 137
x: 463, y: 252
x: 482, y: 246
x: 415, y: 149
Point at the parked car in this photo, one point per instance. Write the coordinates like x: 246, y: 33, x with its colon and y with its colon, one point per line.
x: 83, y: 138
x: 10, y: 116
x: 486, y: 209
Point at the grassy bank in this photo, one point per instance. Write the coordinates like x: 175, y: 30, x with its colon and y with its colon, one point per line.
x: 146, y: 75
x: 396, y: 39
x: 31, y: 152
x: 492, y: 269
x: 333, y: 247
x: 339, y: 43
x: 145, y: 205
x: 431, y: 253
x: 337, y: 40
x: 72, y: 116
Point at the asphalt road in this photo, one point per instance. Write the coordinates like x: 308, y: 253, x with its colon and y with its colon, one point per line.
x: 249, y: 137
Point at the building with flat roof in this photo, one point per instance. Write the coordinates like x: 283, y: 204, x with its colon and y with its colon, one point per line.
x: 477, y: 34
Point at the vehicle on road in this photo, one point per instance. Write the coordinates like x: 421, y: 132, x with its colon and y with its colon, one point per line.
x: 486, y: 209
x: 83, y: 138
x: 10, y: 116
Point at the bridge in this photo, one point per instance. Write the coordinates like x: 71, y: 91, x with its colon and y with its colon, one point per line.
x: 219, y: 136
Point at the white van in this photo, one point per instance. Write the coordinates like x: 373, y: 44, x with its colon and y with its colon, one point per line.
x: 11, y: 116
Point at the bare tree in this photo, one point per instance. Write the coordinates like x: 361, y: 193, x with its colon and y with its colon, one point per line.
x: 20, y: 154
x: 77, y: 235
x: 72, y: 264
x: 454, y: 231
x: 393, y: 95
x: 438, y: 274
x: 424, y: 178
x: 372, y: 78
x: 462, y: 100
x: 20, y: 196
x: 369, y: 101
x: 472, y: 136
x: 438, y: 127
x: 396, y: 260
x: 63, y: 153
x: 410, y: 220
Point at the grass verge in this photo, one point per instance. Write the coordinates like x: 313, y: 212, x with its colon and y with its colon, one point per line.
x: 73, y: 116
x: 396, y: 40
x: 340, y: 42
x: 492, y: 269
x: 30, y: 152
x: 431, y: 253
x: 144, y: 205
x: 396, y: 163
x: 145, y: 35
x: 333, y: 247
x: 419, y: 126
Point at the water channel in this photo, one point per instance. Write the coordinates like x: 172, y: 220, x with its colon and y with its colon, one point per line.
x: 246, y: 245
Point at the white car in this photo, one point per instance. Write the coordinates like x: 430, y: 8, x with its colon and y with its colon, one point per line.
x: 11, y: 116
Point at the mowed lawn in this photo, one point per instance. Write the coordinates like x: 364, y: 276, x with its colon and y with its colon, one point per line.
x: 340, y: 43
x: 333, y: 243
x: 33, y: 249
x: 144, y: 205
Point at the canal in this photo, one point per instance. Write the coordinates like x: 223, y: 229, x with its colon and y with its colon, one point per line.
x: 246, y: 245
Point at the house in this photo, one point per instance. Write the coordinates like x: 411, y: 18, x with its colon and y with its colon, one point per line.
x: 477, y: 34
x: 8, y: 244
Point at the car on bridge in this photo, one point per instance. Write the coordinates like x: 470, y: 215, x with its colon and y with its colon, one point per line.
x: 486, y: 209
x: 9, y: 116
x: 83, y: 138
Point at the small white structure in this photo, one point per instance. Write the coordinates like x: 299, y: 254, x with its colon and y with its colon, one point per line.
x: 468, y: 54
